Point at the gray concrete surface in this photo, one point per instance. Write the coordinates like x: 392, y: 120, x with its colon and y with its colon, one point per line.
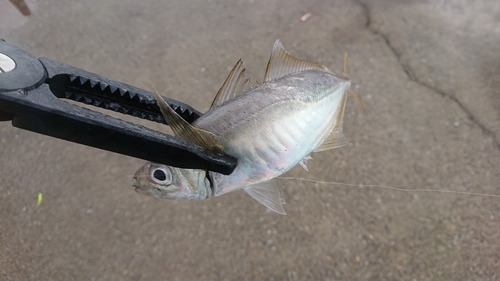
x: 427, y: 72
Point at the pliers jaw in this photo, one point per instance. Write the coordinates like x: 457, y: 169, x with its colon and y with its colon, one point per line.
x: 31, y: 95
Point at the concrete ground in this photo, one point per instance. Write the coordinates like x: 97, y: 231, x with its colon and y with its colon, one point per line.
x: 427, y: 72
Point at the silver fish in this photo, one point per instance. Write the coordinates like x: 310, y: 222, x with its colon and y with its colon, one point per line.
x: 269, y: 128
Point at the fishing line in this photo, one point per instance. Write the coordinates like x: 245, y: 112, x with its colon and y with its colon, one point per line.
x: 393, y: 188
x: 384, y: 186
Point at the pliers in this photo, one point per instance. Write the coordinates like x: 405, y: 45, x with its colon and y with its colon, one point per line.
x: 32, y: 94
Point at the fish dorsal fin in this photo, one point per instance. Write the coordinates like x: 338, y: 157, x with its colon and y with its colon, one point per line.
x: 187, y: 131
x: 234, y: 85
x: 267, y: 194
x: 336, y: 137
x: 281, y: 64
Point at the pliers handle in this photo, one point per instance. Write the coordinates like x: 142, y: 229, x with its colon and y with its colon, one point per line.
x: 32, y: 95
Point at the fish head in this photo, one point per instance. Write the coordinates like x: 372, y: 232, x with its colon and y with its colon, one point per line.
x: 166, y: 182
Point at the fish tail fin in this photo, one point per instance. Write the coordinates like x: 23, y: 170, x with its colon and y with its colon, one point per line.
x: 350, y: 90
x: 336, y: 137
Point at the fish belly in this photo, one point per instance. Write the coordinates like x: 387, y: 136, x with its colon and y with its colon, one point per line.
x: 271, y: 128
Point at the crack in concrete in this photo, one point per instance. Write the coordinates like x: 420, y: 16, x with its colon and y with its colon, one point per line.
x: 415, y: 79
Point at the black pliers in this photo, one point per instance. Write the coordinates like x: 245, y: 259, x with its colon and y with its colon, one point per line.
x: 32, y: 92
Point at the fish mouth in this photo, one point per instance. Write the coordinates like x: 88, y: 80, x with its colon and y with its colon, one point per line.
x: 136, y: 186
x: 209, y: 185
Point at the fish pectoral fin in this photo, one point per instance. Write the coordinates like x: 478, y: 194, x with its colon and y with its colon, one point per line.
x: 336, y: 138
x: 235, y: 84
x: 186, y: 131
x: 267, y: 194
x: 303, y: 162
x: 281, y: 63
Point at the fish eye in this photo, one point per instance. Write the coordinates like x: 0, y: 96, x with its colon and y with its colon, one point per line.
x: 160, y: 176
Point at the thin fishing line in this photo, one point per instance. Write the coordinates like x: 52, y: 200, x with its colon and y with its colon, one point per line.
x: 393, y: 188
x: 386, y: 187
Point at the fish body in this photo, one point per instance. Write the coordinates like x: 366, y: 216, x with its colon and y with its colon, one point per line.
x: 269, y: 128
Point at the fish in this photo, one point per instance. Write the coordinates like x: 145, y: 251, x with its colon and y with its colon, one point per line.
x: 269, y: 128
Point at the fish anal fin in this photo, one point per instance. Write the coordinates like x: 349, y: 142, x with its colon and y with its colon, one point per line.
x: 281, y: 64
x: 186, y: 131
x: 336, y: 138
x: 303, y: 162
x: 267, y: 194
x: 235, y: 84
